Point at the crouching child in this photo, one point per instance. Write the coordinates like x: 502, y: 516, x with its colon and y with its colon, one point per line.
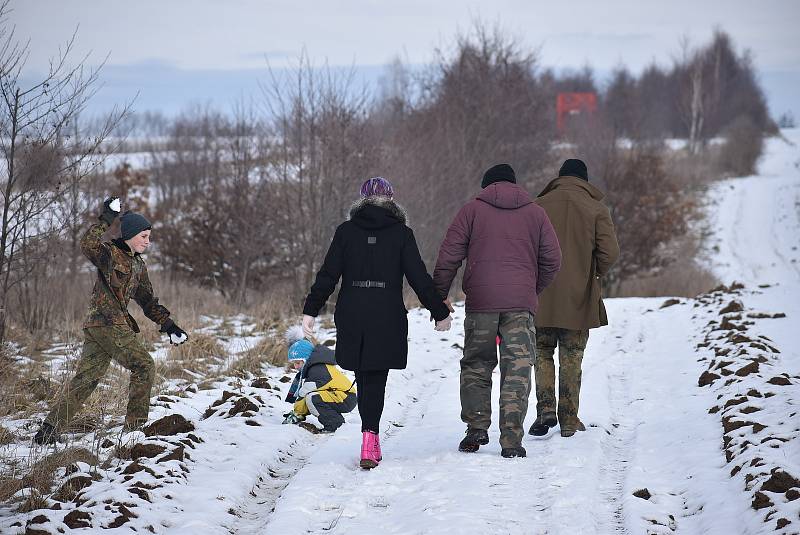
x: 319, y: 388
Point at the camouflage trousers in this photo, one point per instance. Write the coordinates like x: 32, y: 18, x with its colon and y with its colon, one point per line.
x: 516, y: 331
x: 101, y: 345
x: 571, y: 345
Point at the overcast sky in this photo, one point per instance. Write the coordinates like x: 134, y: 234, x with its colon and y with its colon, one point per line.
x: 236, y: 35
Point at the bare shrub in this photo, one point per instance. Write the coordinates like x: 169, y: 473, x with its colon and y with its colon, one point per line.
x: 744, y: 143
x: 682, y: 278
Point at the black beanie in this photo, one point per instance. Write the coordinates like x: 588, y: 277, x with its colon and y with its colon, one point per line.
x: 499, y: 173
x: 573, y: 167
x: 132, y: 224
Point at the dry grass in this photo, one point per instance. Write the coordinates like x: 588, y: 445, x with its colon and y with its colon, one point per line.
x: 39, y: 475
x: 270, y: 350
x: 30, y: 387
x: 197, y: 357
x: 682, y: 278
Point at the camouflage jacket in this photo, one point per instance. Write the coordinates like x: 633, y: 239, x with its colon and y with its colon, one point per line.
x: 121, y: 275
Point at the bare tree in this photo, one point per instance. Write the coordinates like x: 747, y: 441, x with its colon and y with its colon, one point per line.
x: 479, y: 105
x: 324, y: 149
x: 693, y: 93
x: 38, y: 151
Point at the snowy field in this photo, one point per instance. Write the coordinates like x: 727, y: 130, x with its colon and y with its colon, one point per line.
x: 691, y: 408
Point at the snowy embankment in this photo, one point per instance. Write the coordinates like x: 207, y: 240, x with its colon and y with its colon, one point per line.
x: 691, y: 407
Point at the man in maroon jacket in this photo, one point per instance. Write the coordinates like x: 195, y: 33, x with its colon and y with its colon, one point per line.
x: 512, y: 254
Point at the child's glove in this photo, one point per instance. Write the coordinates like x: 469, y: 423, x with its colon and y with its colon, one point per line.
x: 292, y: 418
x: 111, y: 208
x: 177, y: 336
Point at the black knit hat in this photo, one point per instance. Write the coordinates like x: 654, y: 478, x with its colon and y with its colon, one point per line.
x: 573, y: 167
x: 499, y: 173
x: 132, y: 224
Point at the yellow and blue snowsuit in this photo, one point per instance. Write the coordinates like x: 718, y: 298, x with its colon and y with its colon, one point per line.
x: 321, y: 389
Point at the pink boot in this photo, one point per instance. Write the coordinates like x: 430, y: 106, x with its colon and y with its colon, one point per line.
x: 370, y: 450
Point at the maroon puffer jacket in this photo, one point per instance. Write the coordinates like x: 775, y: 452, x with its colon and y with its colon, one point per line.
x: 511, y: 249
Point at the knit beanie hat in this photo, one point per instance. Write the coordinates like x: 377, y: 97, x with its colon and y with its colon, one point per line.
x: 300, y: 350
x: 499, y: 173
x: 132, y: 224
x: 574, y: 167
x: 377, y: 186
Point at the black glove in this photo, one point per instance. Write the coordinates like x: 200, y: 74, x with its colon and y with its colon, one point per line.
x: 109, y: 213
x: 177, y: 336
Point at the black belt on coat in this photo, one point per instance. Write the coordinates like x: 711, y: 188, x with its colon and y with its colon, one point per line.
x: 369, y: 284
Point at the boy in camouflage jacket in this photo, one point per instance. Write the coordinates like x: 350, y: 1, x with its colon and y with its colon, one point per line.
x: 109, y: 330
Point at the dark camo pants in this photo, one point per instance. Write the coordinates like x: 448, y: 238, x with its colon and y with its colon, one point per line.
x: 101, y: 344
x: 571, y: 345
x: 480, y: 358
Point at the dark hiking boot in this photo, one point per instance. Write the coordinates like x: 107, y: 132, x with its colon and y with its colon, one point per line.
x: 45, y: 435
x: 543, y: 424
x: 567, y: 432
x: 475, y: 439
x: 510, y: 453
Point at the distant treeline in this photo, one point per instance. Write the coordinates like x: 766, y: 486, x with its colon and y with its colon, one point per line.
x: 246, y: 202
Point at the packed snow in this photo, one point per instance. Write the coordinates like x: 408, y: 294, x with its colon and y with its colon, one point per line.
x: 691, y: 408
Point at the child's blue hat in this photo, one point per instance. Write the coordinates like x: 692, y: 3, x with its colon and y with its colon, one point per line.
x: 300, y: 350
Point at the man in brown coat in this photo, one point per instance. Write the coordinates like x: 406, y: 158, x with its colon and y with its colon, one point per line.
x: 572, y: 304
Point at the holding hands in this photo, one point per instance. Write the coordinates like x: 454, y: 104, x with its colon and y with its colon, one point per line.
x: 445, y: 324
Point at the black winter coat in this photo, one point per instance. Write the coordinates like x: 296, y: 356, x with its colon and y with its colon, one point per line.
x: 371, y: 324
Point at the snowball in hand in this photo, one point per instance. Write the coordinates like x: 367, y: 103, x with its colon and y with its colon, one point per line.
x: 178, y: 339
x: 114, y: 205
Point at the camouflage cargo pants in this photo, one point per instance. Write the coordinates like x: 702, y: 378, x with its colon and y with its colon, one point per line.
x: 480, y: 358
x: 571, y: 345
x: 101, y: 345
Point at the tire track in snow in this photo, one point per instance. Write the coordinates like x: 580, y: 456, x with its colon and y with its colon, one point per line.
x: 256, y: 512
x: 622, y: 432
x: 414, y: 410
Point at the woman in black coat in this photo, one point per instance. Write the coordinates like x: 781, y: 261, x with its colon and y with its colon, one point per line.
x: 371, y: 252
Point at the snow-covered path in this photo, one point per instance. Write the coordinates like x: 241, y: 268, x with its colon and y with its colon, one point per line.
x: 696, y: 455
x: 648, y: 422
x: 639, y: 381
x: 755, y: 221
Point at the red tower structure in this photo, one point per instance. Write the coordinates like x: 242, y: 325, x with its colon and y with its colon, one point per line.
x: 568, y: 104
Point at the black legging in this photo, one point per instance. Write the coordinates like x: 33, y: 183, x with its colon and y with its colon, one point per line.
x: 371, y: 387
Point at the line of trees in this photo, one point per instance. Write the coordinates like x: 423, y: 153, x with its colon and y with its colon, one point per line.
x: 246, y: 202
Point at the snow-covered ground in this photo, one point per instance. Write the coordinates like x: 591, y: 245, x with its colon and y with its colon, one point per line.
x: 691, y: 412
x: 755, y: 221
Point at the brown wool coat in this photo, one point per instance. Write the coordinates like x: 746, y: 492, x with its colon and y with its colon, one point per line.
x: 588, y: 250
